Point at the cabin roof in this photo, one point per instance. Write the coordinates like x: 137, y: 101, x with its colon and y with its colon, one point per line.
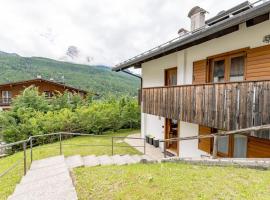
x: 43, y: 80
x: 206, y: 33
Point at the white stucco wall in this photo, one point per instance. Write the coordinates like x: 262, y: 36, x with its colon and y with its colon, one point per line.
x: 153, y: 75
x: 189, y: 148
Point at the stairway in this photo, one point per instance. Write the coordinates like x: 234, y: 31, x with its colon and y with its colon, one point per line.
x: 92, y: 161
x: 49, y: 179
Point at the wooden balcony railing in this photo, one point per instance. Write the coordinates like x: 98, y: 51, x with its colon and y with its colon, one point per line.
x: 225, y: 106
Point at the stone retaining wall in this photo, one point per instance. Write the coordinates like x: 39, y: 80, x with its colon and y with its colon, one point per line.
x: 263, y: 164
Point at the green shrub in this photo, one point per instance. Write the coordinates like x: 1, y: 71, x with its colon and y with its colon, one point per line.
x: 32, y: 114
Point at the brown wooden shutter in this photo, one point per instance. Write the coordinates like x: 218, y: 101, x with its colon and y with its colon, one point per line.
x: 258, y: 148
x: 199, y: 71
x: 205, y: 144
x: 258, y: 63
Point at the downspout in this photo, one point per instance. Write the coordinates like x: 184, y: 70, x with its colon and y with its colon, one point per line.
x: 135, y: 75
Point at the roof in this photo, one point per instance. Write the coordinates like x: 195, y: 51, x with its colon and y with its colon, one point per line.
x: 201, y: 35
x: 44, y: 80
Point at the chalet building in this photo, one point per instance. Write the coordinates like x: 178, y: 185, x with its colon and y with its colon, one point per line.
x: 10, y: 90
x: 215, y: 77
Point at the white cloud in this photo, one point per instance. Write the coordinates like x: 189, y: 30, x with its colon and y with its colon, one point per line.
x: 105, y: 30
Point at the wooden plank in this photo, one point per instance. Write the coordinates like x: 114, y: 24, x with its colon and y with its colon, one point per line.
x: 258, y: 148
x: 227, y: 106
x: 243, y: 106
x: 249, y: 108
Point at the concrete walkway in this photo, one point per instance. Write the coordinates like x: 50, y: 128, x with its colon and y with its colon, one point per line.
x: 151, y: 151
x: 47, y: 179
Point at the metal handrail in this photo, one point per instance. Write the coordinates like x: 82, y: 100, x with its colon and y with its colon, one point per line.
x: 215, y: 136
x: 60, y: 134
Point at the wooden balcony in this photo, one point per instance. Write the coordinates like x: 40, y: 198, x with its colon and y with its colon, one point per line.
x: 225, y: 106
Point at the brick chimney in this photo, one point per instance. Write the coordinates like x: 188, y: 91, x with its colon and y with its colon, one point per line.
x: 197, y: 17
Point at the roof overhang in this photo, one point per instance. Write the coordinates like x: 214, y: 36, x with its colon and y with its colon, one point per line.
x: 217, y: 30
x: 43, y: 80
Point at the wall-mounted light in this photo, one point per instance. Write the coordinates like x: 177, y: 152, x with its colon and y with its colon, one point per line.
x: 266, y: 39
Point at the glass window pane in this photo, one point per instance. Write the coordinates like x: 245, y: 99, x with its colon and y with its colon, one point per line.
x: 223, y: 144
x: 218, y: 71
x: 240, y: 146
x: 237, y: 68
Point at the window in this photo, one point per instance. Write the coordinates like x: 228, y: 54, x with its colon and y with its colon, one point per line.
x: 227, y: 68
x: 6, y: 96
x: 240, y: 146
x: 223, y: 144
x: 218, y: 71
x: 237, y: 68
x: 48, y: 94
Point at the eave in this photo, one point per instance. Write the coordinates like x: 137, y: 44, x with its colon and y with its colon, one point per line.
x: 217, y: 30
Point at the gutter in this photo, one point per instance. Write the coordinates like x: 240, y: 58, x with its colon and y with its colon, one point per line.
x: 135, y: 75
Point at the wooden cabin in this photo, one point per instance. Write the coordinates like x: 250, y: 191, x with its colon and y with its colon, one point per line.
x: 214, y: 78
x: 9, y: 91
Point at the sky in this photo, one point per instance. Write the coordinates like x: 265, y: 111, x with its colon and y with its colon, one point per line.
x: 103, y: 31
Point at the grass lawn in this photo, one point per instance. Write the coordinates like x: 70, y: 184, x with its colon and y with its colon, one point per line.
x: 170, y: 181
x: 9, y: 181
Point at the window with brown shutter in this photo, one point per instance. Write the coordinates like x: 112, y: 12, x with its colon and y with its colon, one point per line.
x: 205, y: 144
x: 258, y: 63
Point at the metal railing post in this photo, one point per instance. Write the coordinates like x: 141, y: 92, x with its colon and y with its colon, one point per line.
x: 215, y: 147
x: 24, y: 158
x: 60, y: 143
x: 144, y: 146
x: 164, y: 147
x: 31, y: 149
x: 112, y: 146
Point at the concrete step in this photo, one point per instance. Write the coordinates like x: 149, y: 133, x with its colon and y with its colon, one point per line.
x: 59, y: 179
x: 119, y: 160
x: 47, y: 179
x: 129, y: 160
x: 61, y: 193
x: 91, y: 161
x: 137, y: 158
x: 147, y: 159
x: 105, y: 160
x: 74, y: 161
x: 45, y: 163
x: 35, y: 175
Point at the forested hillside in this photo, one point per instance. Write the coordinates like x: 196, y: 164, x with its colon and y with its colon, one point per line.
x: 99, y: 79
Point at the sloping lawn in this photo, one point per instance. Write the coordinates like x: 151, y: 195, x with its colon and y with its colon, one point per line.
x: 171, y: 181
x: 9, y: 181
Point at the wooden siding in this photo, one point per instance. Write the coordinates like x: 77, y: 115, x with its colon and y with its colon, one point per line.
x: 258, y: 63
x: 225, y: 106
x: 199, y: 71
x: 205, y: 144
x: 258, y: 148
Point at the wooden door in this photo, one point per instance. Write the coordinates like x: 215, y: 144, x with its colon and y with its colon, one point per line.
x: 171, y: 131
x: 206, y: 144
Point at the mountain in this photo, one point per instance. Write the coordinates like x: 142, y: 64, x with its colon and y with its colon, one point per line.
x: 99, y: 79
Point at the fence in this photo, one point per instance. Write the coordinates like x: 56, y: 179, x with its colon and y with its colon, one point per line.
x: 59, y: 138
x: 215, y: 136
